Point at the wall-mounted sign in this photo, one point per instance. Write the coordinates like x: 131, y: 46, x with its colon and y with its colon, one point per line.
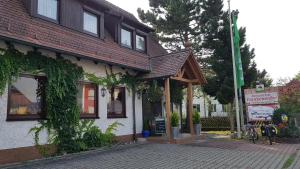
x: 261, y: 98
x: 260, y: 87
x: 261, y: 112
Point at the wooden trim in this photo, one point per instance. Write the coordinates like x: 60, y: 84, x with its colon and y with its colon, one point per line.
x: 168, y: 109
x: 185, y: 80
x: 190, y: 107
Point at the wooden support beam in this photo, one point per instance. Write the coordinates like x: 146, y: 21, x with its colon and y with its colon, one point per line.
x: 168, y: 109
x: 185, y: 80
x: 190, y: 106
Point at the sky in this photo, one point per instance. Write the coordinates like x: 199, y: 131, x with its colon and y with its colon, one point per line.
x: 273, y: 29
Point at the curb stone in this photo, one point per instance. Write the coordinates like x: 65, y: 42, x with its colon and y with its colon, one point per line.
x: 70, y: 156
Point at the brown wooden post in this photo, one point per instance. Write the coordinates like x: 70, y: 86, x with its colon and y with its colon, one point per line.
x: 168, y: 109
x: 190, y: 106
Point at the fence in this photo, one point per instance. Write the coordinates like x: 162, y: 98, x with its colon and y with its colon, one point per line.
x: 215, y: 123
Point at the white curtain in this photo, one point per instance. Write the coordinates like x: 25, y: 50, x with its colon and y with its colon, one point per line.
x: 48, y: 8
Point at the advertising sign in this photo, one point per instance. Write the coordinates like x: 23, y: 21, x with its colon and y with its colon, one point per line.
x: 261, y: 112
x: 261, y: 98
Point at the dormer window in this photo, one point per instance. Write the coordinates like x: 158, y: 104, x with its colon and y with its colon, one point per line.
x: 126, y: 38
x: 48, y: 9
x: 140, y: 43
x: 90, y: 23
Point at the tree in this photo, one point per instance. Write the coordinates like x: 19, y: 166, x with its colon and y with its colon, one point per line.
x: 263, y: 78
x: 216, y: 44
x: 297, y: 77
x: 174, y: 21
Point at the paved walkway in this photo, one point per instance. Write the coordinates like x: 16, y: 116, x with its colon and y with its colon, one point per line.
x: 216, y: 154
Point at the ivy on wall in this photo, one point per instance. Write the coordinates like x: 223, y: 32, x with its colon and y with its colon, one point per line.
x: 61, y: 91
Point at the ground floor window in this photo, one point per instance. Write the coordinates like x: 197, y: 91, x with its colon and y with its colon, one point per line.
x: 116, y: 107
x: 26, y: 98
x: 87, y: 100
x: 196, y: 107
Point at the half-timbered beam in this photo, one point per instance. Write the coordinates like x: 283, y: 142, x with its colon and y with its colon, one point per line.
x: 185, y: 80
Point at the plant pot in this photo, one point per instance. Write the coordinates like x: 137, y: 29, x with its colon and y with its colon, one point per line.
x: 175, y: 132
x: 197, y: 128
x: 146, y: 133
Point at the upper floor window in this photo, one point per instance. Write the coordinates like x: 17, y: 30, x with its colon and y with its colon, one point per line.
x: 140, y: 43
x: 27, y: 98
x: 90, y: 23
x: 48, y: 8
x: 126, y: 38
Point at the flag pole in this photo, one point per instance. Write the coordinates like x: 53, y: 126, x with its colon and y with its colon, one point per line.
x: 238, y: 124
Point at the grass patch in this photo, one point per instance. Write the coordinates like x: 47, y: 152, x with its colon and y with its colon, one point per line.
x: 289, y: 161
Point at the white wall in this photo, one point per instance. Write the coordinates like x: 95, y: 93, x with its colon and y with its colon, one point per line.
x: 14, y: 134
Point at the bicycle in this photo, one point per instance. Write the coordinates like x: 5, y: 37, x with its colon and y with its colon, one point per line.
x: 268, y: 131
x: 252, y: 134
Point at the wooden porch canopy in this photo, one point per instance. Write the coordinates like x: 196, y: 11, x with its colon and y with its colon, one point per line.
x: 180, y: 66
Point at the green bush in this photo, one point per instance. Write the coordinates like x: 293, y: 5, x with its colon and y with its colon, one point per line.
x: 276, y: 118
x: 196, y: 118
x: 175, y: 119
x: 93, y: 137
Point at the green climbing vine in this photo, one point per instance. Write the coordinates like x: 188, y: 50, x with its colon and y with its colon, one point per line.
x: 61, y: 91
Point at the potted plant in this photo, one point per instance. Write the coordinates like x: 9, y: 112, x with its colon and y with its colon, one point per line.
x: 146, y: 131
x: 175, y: 124
x: 196, y: 122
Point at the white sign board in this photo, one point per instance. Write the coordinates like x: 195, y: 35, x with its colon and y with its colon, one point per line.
x: 261, y: 98
x: 261, y: 112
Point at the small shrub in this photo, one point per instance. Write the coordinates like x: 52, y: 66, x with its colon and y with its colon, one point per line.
x: 174, y: 119
x: 92, y: 137
x: 196, y: 118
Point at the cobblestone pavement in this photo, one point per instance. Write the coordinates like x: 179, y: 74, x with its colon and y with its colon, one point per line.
x: 216, y: 154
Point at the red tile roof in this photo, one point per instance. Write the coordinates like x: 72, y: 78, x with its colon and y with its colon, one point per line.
x: 17, y: 24
x: 167, y: 64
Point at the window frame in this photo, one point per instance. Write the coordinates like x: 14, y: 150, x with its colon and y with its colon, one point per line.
x: 123, y: 115
x: 145, y: 42
x: 98, y: 22
x: 45, y: 17
x: 132, y: 39
x: 134, y: 33
x: 40, y: 116
x: 96, y: 114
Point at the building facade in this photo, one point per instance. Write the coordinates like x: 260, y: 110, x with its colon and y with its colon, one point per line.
x: 95, y: 35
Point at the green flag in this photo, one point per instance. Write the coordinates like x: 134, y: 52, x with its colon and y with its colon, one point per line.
x: 237, y: 54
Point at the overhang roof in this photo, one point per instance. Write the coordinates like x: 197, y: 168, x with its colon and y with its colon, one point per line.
x: 170, y: 65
